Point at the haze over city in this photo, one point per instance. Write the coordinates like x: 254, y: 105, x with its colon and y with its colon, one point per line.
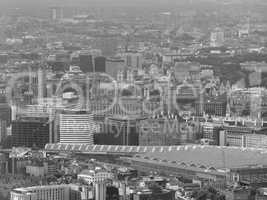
x: 133, y: 100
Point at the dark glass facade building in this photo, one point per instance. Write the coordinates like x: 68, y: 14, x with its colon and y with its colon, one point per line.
x: 100, y: 64
x: 5, y: 113
x: 119, y: 131
x: 86, y: 63
x: 30, y: 132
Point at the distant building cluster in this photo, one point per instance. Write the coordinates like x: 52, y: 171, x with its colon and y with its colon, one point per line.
x: 115, y: 103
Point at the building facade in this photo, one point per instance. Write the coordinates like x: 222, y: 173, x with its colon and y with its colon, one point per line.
x: 30, y: 132
x: 77, y: 128
x: 53, y: 192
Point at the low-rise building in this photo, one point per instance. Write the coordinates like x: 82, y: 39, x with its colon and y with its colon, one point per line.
x: 237, y: 194
x: 150, y: 194
x: 53, y: 192
x: 38, y: 171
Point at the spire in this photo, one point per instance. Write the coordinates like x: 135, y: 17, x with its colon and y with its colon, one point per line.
x: 228, y: 109
x: 222, y: 89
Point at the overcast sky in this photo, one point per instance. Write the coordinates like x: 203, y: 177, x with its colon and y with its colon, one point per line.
x: 41, y: 6
x: 22, y: 3
x: 31, y: 6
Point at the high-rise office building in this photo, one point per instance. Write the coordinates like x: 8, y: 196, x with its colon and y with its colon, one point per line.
x: 45, y: 109
x: 5, y: 113
x: 77, y: 128
x: 41, y: 83
x: 30, y: 132
x: 56, y: 13
x: 3, y: 95
x: 100, y: 64
x: 120, y: 130
x: 3, y: 130
x: 86, y: 62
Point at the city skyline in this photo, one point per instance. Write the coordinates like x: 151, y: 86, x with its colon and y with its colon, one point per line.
x: 133, y: 100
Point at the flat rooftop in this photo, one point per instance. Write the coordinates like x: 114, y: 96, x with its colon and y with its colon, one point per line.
x: 195, y: 156
x: 210, y: 157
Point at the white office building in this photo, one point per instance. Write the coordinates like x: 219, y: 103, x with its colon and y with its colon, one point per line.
x: 59, y: 192
x: 77, y: 128
x: 53, y: 192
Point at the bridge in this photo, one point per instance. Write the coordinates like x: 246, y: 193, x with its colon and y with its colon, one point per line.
x: 107, y: 149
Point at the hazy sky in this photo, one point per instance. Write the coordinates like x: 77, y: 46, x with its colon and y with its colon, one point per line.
x: 25, y: 3
x: 37, y: 7
x: 75, y: 2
